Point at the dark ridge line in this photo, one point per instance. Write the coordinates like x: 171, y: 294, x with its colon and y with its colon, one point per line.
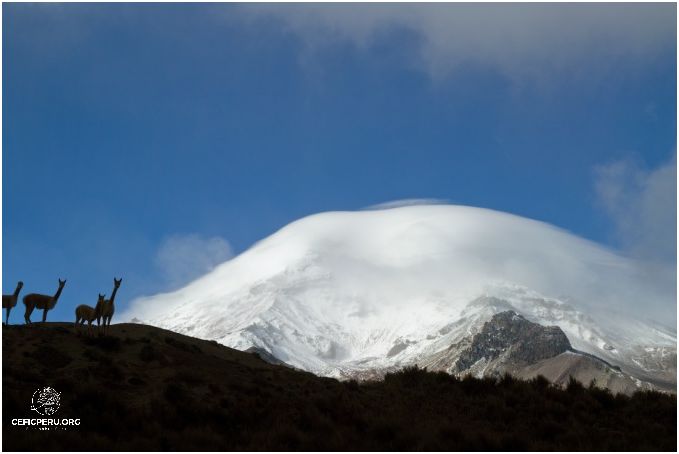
x: 589, y: 355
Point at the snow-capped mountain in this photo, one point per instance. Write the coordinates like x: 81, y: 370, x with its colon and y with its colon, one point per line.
x: 343, y: 293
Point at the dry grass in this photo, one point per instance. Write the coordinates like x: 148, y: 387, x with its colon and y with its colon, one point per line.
x: 144, y: 388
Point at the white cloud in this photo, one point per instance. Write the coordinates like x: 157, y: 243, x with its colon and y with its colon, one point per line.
x: 643, y: 206
x: 182, y: 258
x: 394, y: 263
x: 405, y: 203
x: 534, y: 41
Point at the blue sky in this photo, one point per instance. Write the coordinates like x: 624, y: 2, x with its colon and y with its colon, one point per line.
x: 151, y: 141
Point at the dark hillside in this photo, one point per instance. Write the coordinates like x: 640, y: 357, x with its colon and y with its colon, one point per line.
x: 144, y: 388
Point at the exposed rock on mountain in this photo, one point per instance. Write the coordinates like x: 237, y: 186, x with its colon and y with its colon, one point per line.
x: 509, y: 338
x: 509, y: 343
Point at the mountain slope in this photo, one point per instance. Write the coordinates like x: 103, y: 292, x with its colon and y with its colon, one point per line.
x: 343, y: 294
x: 508, y: 343
x: 147, y: 389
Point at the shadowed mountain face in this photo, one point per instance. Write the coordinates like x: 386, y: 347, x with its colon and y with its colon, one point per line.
x: 144, y: 388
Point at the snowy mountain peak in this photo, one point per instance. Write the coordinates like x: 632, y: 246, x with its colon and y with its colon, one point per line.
x: 344, y: 291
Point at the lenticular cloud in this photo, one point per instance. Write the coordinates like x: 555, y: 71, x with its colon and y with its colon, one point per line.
x: 392, y: 258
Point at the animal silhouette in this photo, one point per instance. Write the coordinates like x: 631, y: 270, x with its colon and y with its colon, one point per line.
x: 85, y: 313
x: 107, y: 307
x: 44, y: 302
x: 9, y: 301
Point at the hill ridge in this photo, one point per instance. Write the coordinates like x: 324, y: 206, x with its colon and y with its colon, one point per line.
x: 145, y: 388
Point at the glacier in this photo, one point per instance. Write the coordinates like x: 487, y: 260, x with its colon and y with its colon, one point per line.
x: 342, y: 292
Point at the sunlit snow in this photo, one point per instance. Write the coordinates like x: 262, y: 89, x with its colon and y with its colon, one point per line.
x: 339, y: 290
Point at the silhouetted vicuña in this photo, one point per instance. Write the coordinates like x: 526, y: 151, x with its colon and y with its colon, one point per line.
x: 9, y: 301
x: 85, y: 313
x: 44, y: 302
x: 108, y: 307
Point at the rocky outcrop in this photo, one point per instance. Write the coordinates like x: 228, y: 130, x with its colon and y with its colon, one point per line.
x: 509, y: 343
x: 513, y: 339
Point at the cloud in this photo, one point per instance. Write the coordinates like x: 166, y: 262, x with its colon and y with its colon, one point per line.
x: 405, y: 203
x: 518, y: 40
x: 408, y: 263
x: 642, y: 204
x: 182, y: 258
